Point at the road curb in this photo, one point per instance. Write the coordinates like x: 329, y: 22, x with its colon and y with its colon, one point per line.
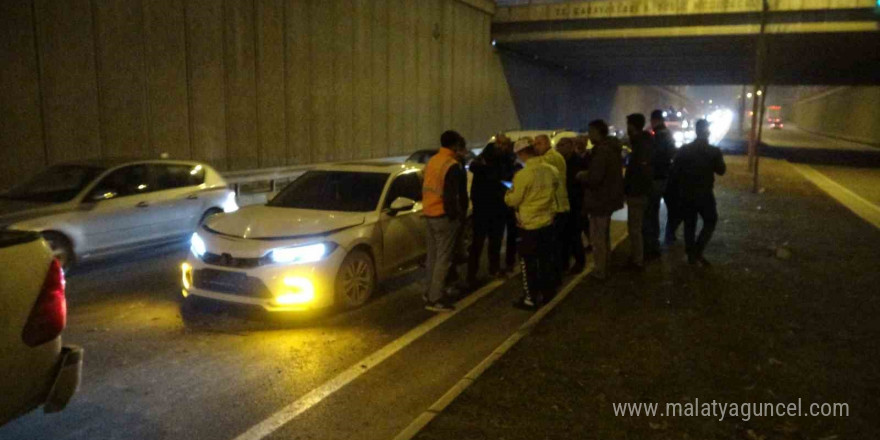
x: 857, y: 204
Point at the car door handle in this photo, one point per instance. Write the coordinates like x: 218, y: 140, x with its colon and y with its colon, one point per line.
x: 192, y: 197
x: 142, y: 205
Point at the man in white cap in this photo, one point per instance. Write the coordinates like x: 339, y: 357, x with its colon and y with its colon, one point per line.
x: 534, y: 196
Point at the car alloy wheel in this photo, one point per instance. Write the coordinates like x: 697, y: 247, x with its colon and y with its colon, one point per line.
x: 355, y: 280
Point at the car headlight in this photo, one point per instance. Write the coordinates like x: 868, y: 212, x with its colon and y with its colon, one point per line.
x: 197, y: 245
x: 301, y: 254
x: 230, y: 205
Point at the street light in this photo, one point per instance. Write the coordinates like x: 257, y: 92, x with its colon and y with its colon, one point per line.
x: 760, y: 93
x: 749, y: 95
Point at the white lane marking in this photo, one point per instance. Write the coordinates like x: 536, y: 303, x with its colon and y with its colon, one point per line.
x: 315, y: 396
x: 437, y: 407
x: 854, y: 202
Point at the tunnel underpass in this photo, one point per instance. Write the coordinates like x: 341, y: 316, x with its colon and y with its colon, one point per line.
x: 194, y: 115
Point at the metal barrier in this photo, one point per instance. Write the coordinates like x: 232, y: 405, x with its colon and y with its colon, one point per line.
x: 260, y: 185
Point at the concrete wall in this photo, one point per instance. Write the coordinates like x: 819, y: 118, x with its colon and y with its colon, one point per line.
x: 242, y: 83
x: 549, y: 97
x: 849, y: 113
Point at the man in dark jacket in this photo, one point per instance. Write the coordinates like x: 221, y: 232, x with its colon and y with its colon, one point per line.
x: 663, y: 150
x: 583, y: 157
x: 638, y: 185
x: 603, y: 192
x: 509, y: 167
x: 490, y: 212
x: 572, y: 243
x: 693, y: 175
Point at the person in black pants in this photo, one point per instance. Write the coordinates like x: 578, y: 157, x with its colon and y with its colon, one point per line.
x: 582, y: 158
x: 509, y: 167
x: 572, y: 244
x: 490, y: 212
x: 693, y: 176
x: 662, y: 153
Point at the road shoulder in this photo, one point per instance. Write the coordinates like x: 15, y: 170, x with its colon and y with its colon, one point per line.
x: 787, y: 312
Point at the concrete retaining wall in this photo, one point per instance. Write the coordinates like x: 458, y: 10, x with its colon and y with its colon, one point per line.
x: 850, y: 113
x: 549, y: 97
x: 242, y: 83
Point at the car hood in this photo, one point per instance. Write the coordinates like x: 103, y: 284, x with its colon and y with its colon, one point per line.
x: 12, y: 211
x: 269, y: 222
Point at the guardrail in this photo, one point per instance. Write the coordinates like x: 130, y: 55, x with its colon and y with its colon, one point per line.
x: 581, y: 10
x: 260, y: 185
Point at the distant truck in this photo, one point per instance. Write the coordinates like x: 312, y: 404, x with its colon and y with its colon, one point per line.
x: 774, y: 117
x: 37, y: 369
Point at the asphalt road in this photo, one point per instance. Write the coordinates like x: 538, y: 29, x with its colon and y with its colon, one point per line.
x: 861, y: 180
x: 793, y: 136
x: 156, y: 370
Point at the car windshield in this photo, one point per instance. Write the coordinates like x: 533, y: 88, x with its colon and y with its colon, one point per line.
x: 57, y: 184
x: 333, y: 191
x: 421, y: 156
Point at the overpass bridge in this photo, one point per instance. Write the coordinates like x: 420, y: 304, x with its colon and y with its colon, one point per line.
x: 698, y: 41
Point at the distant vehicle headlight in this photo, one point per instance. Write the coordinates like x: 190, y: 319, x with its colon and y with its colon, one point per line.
x: 230, y: 205
x: 301, y: 254
x: 197, y: 245
x: 679, y: 138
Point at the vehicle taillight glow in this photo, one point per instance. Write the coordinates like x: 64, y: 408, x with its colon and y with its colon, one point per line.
x: 49, y: 314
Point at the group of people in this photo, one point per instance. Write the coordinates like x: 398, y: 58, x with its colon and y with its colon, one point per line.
x: 545, y: 199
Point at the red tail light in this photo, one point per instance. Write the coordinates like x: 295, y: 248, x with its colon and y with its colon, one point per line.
x: 49, y: 315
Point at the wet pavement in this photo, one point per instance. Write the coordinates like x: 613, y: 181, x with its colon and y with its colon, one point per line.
x: 155, y: 369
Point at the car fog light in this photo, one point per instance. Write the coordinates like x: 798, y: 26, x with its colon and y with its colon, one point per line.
x: 300, y: 291
x: 186, y: 275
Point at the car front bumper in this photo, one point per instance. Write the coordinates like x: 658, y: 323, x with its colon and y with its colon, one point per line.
x: 274, y: 287
x: 67, y: 379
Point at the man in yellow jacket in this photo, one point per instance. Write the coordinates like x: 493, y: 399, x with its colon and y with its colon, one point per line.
x: 534, y: 196
x: 444, y: 206
x: 552, y: 157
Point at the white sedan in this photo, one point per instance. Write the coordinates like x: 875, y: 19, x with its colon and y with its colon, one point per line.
x: 99, y: 208
x: 326, y: 239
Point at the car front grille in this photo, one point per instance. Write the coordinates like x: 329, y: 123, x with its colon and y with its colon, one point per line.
x: 226, y: 260
x: 233, y: 283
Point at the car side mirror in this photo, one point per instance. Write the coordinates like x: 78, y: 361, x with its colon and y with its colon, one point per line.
x: 402, y: 204
x: 100, y: 194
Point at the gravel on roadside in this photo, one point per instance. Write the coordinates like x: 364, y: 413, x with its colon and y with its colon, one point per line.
x: 789, y: 310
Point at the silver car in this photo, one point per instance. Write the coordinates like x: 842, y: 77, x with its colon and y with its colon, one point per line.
x: 97, y: 208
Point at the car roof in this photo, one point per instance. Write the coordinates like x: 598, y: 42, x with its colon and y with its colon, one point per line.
x: 116, y: 162
x: 370, y: 167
